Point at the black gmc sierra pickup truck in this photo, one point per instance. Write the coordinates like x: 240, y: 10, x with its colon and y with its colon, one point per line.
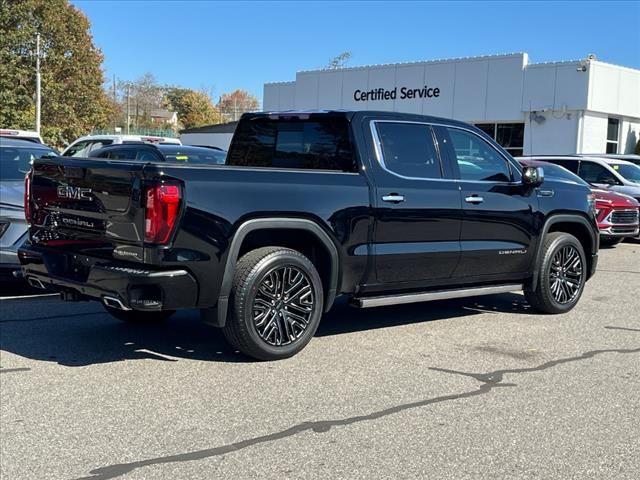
x: 383, y: 207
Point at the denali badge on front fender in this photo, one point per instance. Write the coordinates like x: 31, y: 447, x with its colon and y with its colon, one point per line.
x: 74, y: 193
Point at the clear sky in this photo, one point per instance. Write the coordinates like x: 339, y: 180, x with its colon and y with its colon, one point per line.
x: 221, y: 46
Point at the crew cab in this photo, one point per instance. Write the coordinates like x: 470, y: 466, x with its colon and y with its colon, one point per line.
x: 384, y: 208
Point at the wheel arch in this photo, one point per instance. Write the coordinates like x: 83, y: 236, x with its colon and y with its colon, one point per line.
x: 247, y: 230
x: 575, y: 225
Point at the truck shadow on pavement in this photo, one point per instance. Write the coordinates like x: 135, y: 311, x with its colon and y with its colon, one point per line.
x: 93, y: 336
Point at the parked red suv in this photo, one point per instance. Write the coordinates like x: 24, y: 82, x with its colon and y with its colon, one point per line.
x: 617, y: 214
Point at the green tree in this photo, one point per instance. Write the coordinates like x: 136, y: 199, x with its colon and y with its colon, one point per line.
x: 339, y: 61
x: 638, y: 148
x: 73, y: 99
x: 194, y: 108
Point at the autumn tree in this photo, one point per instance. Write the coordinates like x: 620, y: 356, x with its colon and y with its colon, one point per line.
x: 236, y: 103
x: 194, y: 108
x: 73, y: 100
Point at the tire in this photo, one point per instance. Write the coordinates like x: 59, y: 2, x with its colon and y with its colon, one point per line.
x: 610, y: 241
x: 263, y: 321
x: 139, y: 318
x: 561, y: 278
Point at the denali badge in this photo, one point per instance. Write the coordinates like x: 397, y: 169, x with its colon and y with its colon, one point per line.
x: 519, y: 251
x: 74, y: 193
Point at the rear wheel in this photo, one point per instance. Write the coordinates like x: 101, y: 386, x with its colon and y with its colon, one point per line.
x: 561, y: 274
x: 137, y: 317
x: 276, y: 303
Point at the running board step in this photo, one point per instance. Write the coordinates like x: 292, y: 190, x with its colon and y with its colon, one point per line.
x: 367, y: 302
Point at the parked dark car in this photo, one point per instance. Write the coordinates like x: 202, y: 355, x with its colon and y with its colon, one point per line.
x: 15, y: 158
x: 385, y: 208
x: 148, y: 152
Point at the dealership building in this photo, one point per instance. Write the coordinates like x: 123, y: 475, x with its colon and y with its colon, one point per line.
x: 577, y: 106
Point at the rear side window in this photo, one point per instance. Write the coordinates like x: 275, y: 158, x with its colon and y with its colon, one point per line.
x: 408, y: 149
x: 122, y: 154
x: 315, y: 144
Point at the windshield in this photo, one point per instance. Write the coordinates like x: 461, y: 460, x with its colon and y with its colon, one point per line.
x: 15, y: 161
x: 181, y: 154
x: 629, y: 172
x: 561, y: 173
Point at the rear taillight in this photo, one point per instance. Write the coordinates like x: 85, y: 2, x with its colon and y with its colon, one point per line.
x: 27, y: 197
x: 162, y: 209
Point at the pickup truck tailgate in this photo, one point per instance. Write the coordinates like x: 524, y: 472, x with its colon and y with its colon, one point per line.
x: 88, y: 206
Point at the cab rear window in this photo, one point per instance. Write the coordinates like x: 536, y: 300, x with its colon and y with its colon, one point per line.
x: 313, y: 144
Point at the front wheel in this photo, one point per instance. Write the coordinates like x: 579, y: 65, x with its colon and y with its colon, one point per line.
x: 276, y: 303
x: 561, y: 274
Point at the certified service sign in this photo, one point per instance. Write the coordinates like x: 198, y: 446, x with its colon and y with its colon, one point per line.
x: 404, y: 93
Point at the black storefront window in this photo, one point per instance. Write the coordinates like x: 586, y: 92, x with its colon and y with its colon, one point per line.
x: 613, y: 131
x: 509, y: 135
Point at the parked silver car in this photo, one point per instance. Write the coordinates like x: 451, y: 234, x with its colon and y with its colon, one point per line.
x: 15, y: 158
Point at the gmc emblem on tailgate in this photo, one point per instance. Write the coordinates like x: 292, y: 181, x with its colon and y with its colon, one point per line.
x: 74, y: 193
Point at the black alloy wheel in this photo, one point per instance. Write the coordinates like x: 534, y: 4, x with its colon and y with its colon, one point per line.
x: 275, y: 305
x: 283, y: 305
x: 566, y: 274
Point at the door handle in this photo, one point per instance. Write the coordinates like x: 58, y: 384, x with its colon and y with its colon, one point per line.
x: 474, y: 199
x: 393, y: 198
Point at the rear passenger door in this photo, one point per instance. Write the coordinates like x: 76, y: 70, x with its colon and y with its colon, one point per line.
x: 498, y: 210
x: 417, y: 208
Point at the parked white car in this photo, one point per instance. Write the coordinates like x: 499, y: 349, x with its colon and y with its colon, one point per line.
x: 84, y: 145
x: 21, y: 135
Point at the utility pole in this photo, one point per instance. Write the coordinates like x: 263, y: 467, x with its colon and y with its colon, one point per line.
x: 115, y: 104
x: 128, y: 109
x: 38, y: 99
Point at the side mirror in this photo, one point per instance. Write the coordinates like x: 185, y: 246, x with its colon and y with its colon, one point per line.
x: 532, y: 176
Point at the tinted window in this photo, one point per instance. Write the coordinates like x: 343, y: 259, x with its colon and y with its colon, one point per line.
x: 15, y: 162
x: 408, y: 149
x: 571, y: 165
x: 595, y: 173
x: 477, y: 160
x: 182, y: 154
x: 121, y: 154
x: 320, y: 144
x: 147, y: 156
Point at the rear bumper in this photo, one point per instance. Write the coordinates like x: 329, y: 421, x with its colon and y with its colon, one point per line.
x: 130, y: 287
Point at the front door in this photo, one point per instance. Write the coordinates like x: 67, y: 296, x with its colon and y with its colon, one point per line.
x: 418, y: 211
x: 498, y: 210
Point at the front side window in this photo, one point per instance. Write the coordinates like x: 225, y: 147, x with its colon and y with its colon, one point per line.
x: 613, y: 130
x: 629, y: 172
x: 477, y: 160
x: 80, y: 149
x: 315, y: 144
x: 408, y: 149
x: 594, y: 173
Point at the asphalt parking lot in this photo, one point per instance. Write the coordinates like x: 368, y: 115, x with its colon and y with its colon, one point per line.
x: 474, y: 388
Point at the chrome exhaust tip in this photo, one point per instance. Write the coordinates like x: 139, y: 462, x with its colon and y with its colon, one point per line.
x: 34, y: 282
x: 114, y: 303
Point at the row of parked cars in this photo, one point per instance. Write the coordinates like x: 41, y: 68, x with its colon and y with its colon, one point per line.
x: 19, y: 147
x: 614, y: 179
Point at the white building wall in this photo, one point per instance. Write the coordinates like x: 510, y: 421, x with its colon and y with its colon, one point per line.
x: 553, y: 136
x: 629, y: 135
x: 564, y: 105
